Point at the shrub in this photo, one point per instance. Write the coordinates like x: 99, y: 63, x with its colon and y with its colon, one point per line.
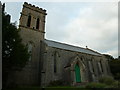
x: 95, y: 85
x: 117, y: 76
x: 106, y: 80
x: 115, y: 84
x: 56, y: 83
x: 118, y: 84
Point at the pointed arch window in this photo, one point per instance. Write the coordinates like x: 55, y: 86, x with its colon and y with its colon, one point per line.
x: 37, y: 23
x: 30, y: 50
x: 29, y: 21
x: 100, y: 66
x: 55, y: 68
x: 90, y: 66
x: 56, y: 59
x: 93, y: 68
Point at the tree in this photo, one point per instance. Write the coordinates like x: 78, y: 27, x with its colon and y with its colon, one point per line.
x: 118, y: 57
x: 115, y: 68
x: 114, y: 64
x: 14, y: 53
x: 109, y: 57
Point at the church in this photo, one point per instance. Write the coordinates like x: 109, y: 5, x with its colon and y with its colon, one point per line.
x: 50, y: 60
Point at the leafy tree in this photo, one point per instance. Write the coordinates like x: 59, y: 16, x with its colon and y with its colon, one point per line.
x: 109, y: 57
x: 14, y: 53
x: 114, y: 64
x: 115, y: 68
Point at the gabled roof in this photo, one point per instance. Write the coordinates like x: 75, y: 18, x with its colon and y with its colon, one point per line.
x: 70, y: 47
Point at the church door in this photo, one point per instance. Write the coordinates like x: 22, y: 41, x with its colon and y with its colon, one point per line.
x: 77, y: 73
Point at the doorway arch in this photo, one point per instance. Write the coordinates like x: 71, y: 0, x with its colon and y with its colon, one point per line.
x: 77, y: 73
x: 78, y: 70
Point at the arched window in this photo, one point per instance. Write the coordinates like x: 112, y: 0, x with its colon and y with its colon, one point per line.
x: 100, y: 66
x: 37, y: 23
x: 93, y: 68
x: 30, y: 50
x: 56, y: 60
x: 55, y: 68
x: 29, y: 21
x: 90, y: 66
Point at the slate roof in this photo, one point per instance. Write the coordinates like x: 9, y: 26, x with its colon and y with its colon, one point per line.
x: 71, y: 47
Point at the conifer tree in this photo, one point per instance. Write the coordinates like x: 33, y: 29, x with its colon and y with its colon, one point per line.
x: 14, y: 53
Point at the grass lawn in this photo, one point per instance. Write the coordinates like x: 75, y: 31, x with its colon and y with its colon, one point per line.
x: 49, y: 88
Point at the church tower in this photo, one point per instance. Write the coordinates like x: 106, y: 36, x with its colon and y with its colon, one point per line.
x: 32, y: 30
x: 33, y: 19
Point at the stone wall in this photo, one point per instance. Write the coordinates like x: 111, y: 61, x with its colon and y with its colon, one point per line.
x: 65, y: 60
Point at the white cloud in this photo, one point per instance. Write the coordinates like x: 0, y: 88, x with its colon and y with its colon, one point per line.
x: 95, y: 27
x: 84, y: 24
x: 61, y: 0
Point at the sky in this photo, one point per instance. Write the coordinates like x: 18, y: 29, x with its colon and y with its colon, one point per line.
x: 91, y: 24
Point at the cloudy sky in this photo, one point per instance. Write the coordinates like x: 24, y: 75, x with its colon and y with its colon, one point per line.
x: 92, y: 24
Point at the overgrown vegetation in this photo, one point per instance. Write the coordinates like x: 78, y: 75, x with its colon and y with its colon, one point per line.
x: 104, y: 82
x: 56, y: 83
x: 14, y: 53
x: 115, y: 68
x: 114, y: 64
x: 95, y: 85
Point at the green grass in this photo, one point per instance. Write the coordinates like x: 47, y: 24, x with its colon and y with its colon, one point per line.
x: 48, y: 88
x: 60, y: 87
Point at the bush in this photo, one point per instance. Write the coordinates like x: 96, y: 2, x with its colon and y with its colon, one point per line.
x: 115, y: 84
x: 95, y: 85
x: 56, y: 83
x: 118, y: 84
x: 107, y: 80
x: 117, y: 76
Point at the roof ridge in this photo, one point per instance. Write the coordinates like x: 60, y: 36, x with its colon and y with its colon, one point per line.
x: 70, y: 47
x: 66, y: 44
x: 93, y: 51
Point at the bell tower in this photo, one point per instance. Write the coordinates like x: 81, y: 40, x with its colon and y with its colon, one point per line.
x: 32, y: 19
x: 32, y: 30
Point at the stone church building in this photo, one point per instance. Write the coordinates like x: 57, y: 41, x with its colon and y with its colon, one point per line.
x: 50, y: 60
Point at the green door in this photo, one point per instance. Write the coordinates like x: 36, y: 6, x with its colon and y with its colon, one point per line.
x: 77, y: 73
